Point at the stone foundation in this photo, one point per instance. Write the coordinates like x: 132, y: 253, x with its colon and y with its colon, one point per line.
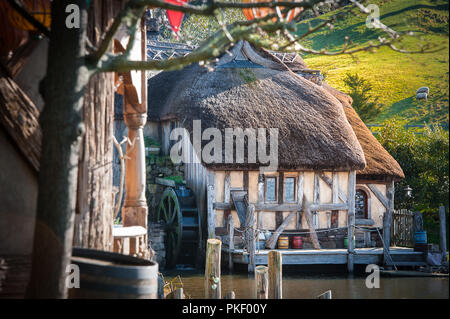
x: 156, y: 237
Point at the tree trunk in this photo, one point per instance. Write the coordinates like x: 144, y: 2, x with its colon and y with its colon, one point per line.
x: 94, y: 211
x: 62, y: 127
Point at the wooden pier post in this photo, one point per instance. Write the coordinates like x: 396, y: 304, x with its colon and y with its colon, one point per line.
x: 443, y: 232
x: 261, y: 282
x: 325, y: 295
x: 212, y: 269
x: 351, y: 220
x: 251, y: 245
x: 230, y: 242
x: 275, y: 262
x: 230, y: 295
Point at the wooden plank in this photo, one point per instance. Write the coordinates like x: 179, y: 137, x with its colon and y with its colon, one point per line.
x: 211, y: 211
x: 326, y: 207
x: 245, y: 180
x: 334, y: 185
x: 379, y: 195
x: 286, y: 207
x: 271, y: 243
x: 260, y: 189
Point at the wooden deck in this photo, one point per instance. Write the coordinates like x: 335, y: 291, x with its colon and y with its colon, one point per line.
x: 363, y: 256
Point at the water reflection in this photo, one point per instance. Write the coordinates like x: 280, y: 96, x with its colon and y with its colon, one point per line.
x: 306, y: 286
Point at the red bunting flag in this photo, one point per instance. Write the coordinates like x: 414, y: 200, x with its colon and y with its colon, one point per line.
x: 175, y: 17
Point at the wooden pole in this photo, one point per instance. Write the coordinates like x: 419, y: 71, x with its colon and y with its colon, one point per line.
x: 443, y: 232
x: 179, y: 293
x: 230, y: 295
x: 211, y: 196
x: 212, y: 269
x: 230, y: 242
x: 275, y: 262
x: 250, y: 225
x: 261, y: 282
x: 351, y: 220
x: 325, y: 295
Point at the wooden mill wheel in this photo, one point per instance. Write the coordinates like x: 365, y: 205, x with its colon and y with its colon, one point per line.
x: 182, y: 219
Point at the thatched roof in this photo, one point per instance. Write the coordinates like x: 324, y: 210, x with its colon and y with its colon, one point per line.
x: 380, y: 164
x: 313, y: 130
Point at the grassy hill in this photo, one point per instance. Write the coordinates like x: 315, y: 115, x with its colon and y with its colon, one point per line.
x: 395, y: 76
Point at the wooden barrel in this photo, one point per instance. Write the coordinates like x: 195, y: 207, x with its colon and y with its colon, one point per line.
x: 297, y: 242
x: 283, y: 242
x: 106, y: 275
x: 420, y: 237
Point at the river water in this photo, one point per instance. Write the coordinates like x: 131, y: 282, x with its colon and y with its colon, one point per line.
x: 305, y: 286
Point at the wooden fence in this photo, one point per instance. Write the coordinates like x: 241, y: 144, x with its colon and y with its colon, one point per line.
x: 402, y: 228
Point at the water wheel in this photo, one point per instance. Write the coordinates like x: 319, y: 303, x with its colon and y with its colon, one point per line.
x: 178, y: 210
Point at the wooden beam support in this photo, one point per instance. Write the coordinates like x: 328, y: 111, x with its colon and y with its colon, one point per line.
x: 287, y: 207
x: 272, y: 241
x: 300, y: 191
x: 251, y: 242
x: 211, y: 210
x: 308, y: 216
x: 379, y: 195
x: 279, y: 214
x: 351, y: 219
x: 334, y: 185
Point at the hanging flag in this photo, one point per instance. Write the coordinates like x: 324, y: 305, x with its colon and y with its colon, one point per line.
x: 175, y: 17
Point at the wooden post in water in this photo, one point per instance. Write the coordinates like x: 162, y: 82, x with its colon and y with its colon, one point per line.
x: 325, y: 295
x: 443, y: 232
x: 179, y: 293
x: 275, y: 262
x: 212, y: 269
x: 230, y: 295
x: 261, y: 282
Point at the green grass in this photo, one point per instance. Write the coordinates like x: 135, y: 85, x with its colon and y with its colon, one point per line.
x: 395, y: 76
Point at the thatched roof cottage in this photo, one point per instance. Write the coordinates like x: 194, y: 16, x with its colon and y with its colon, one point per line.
x: 327, y: 158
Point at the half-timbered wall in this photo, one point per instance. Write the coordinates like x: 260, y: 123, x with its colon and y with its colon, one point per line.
x: 305, y: 183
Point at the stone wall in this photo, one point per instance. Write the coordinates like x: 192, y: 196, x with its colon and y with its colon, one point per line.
x: 156, y: 237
